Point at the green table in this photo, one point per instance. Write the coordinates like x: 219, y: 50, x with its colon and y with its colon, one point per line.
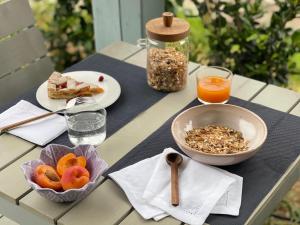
x: 107, y: 204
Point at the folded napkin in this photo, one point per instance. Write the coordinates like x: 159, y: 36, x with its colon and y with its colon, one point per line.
x: 40, y: 131
x: 203, y: 189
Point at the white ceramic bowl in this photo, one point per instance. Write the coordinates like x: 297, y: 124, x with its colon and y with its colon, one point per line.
x: 253, y: 128
x: 50, y: 156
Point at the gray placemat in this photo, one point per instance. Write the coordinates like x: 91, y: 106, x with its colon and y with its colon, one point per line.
x: 260, y: 173
x: 136, y: 95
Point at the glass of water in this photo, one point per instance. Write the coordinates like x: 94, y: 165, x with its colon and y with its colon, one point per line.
x: 86, y: 125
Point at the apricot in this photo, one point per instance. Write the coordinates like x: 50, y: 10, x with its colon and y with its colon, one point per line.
x: 46, y: 177
x: 75, y: 177
x: 69, y: 160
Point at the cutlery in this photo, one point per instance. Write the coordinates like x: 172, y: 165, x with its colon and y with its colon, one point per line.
x: 71, y: 103
x: 174, y: 160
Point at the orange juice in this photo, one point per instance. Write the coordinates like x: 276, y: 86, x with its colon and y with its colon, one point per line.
x: 213, y: 89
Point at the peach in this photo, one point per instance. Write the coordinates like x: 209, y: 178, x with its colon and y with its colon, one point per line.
x: 75, y: 177
x: 46, y: 177
x: 69, y: 160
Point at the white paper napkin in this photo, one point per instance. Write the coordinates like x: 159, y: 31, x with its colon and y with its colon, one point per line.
x: 39, y: 132
x: 203, y: 189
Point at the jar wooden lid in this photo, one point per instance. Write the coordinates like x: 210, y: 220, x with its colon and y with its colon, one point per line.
x: 167, y: 28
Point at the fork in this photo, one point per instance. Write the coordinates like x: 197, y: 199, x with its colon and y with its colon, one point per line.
x: 70, y: 103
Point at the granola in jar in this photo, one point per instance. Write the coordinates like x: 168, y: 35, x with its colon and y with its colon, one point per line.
x: 167, y: 52
x: 167, y: 69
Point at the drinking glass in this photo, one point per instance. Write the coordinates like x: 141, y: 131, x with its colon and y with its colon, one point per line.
x: 86, y: 125
x: 213, y: 84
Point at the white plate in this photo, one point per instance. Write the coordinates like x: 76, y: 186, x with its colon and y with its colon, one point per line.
x: 112, y: 90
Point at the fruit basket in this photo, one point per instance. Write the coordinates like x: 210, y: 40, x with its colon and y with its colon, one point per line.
x: 50, y: 156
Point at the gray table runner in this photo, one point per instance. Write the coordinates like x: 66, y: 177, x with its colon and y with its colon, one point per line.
x: 136, y: 95
x: 260, y: 173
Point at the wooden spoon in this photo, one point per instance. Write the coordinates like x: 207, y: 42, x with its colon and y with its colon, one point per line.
x: 174, y: 160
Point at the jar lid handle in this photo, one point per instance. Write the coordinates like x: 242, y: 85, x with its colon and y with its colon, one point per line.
x: 168, y: 18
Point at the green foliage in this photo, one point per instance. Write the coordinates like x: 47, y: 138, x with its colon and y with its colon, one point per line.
x: 285, y: 214
x: 199, y: 45
x: 294, y: 70
x: 236, y: 40
x: 68, y: 29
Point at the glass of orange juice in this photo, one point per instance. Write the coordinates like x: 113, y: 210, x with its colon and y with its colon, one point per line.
x: 213, y: 84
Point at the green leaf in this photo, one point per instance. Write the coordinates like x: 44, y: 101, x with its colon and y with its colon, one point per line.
x: 252, y: 37
x: 294, y: 63
x: 296, y: 38
x: 235, y: 48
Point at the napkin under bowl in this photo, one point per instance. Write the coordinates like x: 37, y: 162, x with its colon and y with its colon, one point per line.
x: 50, y: 156
x: 252, y: 127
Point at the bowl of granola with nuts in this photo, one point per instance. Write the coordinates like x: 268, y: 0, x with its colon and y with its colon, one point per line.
x: 219, y: 134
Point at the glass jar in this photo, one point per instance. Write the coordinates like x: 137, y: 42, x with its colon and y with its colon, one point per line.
x: 167, y: 53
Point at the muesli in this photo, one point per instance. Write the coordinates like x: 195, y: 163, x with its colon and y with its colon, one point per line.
x: 216, y: 140
x: 167, y: 69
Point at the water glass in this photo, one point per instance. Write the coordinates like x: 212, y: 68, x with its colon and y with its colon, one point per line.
x: 86, y: 126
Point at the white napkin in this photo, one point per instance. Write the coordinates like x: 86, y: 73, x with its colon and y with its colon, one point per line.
x: 40, y: 131
x: 203, y: 189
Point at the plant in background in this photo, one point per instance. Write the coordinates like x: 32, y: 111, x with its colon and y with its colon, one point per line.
x: 68, y: 29
x: 249, y: 41
x: 239, y: 41
x: 284, y: 215
x: 199, y: 45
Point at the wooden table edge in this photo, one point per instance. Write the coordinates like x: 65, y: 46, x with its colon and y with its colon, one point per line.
x: 274, y: 196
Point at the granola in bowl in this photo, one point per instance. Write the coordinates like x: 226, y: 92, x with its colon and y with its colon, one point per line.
x: 216, y: 139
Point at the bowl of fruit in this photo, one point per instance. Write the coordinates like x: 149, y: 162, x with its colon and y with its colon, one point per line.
x: 64, y: 174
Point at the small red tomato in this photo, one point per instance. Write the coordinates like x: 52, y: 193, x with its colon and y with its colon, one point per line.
x: 101, y: 78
